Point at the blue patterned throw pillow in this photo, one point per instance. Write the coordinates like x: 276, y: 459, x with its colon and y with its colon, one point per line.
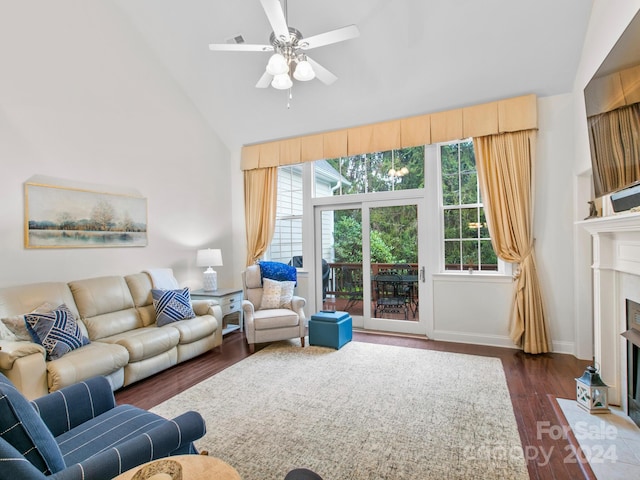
x: 57, y: 331
x: 172, y: 305
x: 278, y: 271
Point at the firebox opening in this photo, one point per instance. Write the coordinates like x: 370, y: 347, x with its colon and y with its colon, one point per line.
x: 633, y: 360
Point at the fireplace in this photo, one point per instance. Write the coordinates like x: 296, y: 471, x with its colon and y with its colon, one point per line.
x: 633, y: 360
x: 616, y: 284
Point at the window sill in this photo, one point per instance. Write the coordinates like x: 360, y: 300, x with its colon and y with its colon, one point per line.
x: 475, y: 276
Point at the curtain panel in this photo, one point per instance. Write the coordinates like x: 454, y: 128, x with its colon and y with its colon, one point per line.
x: 505, y: 165
x: 260, y: 196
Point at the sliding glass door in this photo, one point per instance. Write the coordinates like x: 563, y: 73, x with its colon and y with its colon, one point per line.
x: 371, y: 266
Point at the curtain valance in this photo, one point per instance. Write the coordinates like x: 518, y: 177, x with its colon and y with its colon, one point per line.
x: 510, y: 115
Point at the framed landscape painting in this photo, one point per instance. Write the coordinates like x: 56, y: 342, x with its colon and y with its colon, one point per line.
x: 60, y: 217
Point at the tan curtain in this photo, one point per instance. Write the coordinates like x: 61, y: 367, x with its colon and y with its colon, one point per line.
x: 505, y: 164
x: 260, y: 195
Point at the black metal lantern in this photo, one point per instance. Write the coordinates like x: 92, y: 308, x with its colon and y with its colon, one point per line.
x: 592, y: 392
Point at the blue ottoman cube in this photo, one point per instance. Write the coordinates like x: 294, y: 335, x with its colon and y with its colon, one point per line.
x: 330, y: 329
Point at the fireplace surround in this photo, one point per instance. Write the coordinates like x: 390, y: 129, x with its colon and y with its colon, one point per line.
x: 616, y: 280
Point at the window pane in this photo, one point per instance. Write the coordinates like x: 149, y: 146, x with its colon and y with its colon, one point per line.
x: 470, y: 224
x: 401, y: 169
x: 470, y: 257
x: 452, y: 223
x: 452, y: 255
x: 449, y: 159
x: 484, y: 229
x: 467, y: 155
x: 450, y: 189
x: 468, y: 187
x: 488, y: 256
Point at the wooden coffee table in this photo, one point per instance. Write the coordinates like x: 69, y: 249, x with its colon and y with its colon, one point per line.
x: 193, y: 467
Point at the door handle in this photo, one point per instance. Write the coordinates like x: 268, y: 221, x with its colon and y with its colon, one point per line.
x: 423, y: 276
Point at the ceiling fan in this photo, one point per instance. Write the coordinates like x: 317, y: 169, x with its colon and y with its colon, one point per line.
x: 289, y: 47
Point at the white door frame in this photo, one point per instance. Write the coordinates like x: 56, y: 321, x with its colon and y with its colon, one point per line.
x: 367, y: 321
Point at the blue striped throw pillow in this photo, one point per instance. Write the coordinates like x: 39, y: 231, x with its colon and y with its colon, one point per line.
x: 172, y: 305
x: 57, y: 331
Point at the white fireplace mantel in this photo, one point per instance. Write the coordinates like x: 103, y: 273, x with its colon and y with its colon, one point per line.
x: 616, y: 253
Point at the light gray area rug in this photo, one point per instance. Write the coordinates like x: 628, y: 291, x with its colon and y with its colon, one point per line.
x: 365, y: 411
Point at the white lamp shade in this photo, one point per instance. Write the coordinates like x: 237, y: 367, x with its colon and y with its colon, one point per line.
x: 304, y: 71
x: 282, y: 82
x: 209, y: 257
x: 277, y: 64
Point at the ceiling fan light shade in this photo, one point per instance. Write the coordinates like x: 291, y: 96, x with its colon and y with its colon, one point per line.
x: 282, y: 81
x: 277, y: 64
x: 304, y: 72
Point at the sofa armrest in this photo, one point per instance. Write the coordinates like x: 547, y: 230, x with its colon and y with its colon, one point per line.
x: 24, y: 364
x: 208, y: 307
x: 297, y: 305
x: 159, y: 442
x: 10, y: 351
x: 71, y: 406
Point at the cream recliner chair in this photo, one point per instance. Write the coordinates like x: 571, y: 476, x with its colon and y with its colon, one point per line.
x: 272, y: 324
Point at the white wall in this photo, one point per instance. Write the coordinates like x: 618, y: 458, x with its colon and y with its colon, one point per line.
x: 83, y: 99
x: 553, y: 216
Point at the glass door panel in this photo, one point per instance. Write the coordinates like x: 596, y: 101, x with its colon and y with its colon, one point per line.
x: 368, y: 255
x: 341, y: 252
x: 394, y: 268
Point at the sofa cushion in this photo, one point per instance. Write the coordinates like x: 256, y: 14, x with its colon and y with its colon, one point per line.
x: 147, y: 342
x: 278, y: 318
x: 195, y: 329
x: 57, y: 331
x: 172, y: 305
x: 106, y: 431
x: 105, y: 306
x: 95, y: 359
x: 23, y: 428
x: 140, y: 287
x: 276, y: 294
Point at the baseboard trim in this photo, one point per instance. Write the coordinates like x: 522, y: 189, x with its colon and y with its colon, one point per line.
x: 473, y: 338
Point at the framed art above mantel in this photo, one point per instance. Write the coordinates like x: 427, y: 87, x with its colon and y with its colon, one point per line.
x: 69, y: 217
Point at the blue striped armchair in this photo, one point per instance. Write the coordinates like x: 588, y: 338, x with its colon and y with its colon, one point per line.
x: 78, y: 432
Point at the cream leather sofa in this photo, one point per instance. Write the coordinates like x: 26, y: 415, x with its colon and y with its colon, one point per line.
x: 116, y: 313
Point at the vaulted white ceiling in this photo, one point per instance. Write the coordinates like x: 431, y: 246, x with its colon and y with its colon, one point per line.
x: 412, y: 57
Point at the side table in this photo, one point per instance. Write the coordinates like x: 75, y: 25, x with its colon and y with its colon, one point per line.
x: 193, y: 467
x: 230, y: 300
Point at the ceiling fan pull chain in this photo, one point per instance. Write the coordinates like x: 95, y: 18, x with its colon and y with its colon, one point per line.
x: 290, y: 98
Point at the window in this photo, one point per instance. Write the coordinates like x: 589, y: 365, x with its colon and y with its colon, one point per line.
x: 287, y: 238
x: 388, y: 171
x: 467, y: 245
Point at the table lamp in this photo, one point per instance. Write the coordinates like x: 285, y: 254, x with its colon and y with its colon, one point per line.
x: 209, y: 257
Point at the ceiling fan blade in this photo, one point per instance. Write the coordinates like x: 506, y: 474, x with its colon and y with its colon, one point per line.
x: 274, y: 12
x: 327, y: 38
x: 322, y: 74
x: 265, y: 80
x: 240, y: 47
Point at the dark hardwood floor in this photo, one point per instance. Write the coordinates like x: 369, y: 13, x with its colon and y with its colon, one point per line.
x: 533, y: 380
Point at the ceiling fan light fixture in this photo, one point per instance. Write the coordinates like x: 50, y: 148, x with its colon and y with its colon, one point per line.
x: 304, y: 71
x: 277, y: 64
x: 282, y: 81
